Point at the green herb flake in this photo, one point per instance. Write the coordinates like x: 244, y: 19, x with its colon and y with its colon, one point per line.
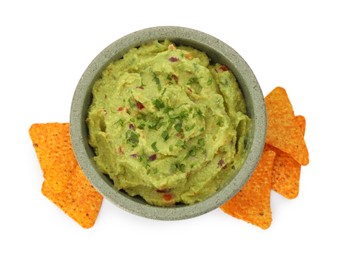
x: 220, y: 122
x: 180, y: 143
x: 177, y: 166
x: 153, y: 145
x: 157, y: 81
x: 201, y: 142
x: 132, y: 103
x: 158, y: 103
x: 141, y: 125
x: 178, y: 127
x: 200, y: 113
x: 210, y: 81
x: 163, y: 91
x: 167, y: 109
x: 192, y: 151
x: 120, y: 122
x: 154, y: 123
x: 165, y: 135
x: 132, y: 138
x: 144, y: 159
x: 192, y: 81
x: 173, y: 167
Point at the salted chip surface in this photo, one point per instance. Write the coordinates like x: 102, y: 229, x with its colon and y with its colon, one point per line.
x: 282, y: 131
x: 286, y: 171
x: 64, y: 184
x: 252, y: 202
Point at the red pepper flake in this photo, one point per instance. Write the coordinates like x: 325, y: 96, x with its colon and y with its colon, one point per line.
x: 140, y: 87
x: 131, y: 126
x: 167, y: 196
x: 222, y: 68
x: 175, y: 78
x: 173, y: 59
x: 152, y: 157
x: 120, y: 109
x: 221, y: 163
x: 139, y: 105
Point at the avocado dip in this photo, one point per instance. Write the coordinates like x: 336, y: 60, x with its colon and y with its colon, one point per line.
x: 166, y: 125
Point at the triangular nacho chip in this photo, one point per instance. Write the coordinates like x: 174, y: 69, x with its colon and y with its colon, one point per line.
x: 286, y: 171
x: 282, y: 131
x: 252, y: 202
x: 64, y: 184
x: 79, y: 200
x: 54, y: 152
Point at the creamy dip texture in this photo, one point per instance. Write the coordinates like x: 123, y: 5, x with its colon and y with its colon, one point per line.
x: 167, y: 125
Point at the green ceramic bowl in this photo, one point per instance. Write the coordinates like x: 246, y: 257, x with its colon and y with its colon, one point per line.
x: 218, y: 51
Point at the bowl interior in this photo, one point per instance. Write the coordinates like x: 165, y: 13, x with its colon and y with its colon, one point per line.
x: 217, y: 51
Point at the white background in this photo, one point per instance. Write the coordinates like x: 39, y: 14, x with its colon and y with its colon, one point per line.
x: 44, y: 49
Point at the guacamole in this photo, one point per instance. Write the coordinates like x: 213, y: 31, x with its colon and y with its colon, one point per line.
x: 167, y: 125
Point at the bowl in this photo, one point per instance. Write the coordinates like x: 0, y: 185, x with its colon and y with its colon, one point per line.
x: 218, y: 51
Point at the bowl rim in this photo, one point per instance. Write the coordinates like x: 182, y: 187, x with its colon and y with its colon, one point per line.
x: 214, y: 48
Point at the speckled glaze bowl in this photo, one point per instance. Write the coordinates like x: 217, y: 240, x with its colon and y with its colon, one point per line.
x: 218, y: 51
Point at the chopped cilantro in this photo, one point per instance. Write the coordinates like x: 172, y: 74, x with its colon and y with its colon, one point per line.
x: 141, y: 125
x: 163, y: 91
x: 178, y: 166
x: 132, y: 138
x: 200, y: 113
x: 180, y: 143
x: 144, y: 159
x: 192, y: 151
x: 154, y: 123
x: 165, y: 135
x: 157, y: 81
x: 132, y: 103
x: 158, y: 103
x: 192, y: 81
x: 201, y: 142
x: 167, y: 109
x: 153, y: 145
x: 220, y: 122
x: 178, y: 127
x: 120, y: 122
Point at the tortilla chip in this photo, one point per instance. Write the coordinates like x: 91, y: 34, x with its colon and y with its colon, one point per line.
x: 65, y: 184
x: 282, y: 131
x: 252, y: 202
x: 286, y: 171
x: 54, y: 151
x: 300, y: 121
x: 79, y: 200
